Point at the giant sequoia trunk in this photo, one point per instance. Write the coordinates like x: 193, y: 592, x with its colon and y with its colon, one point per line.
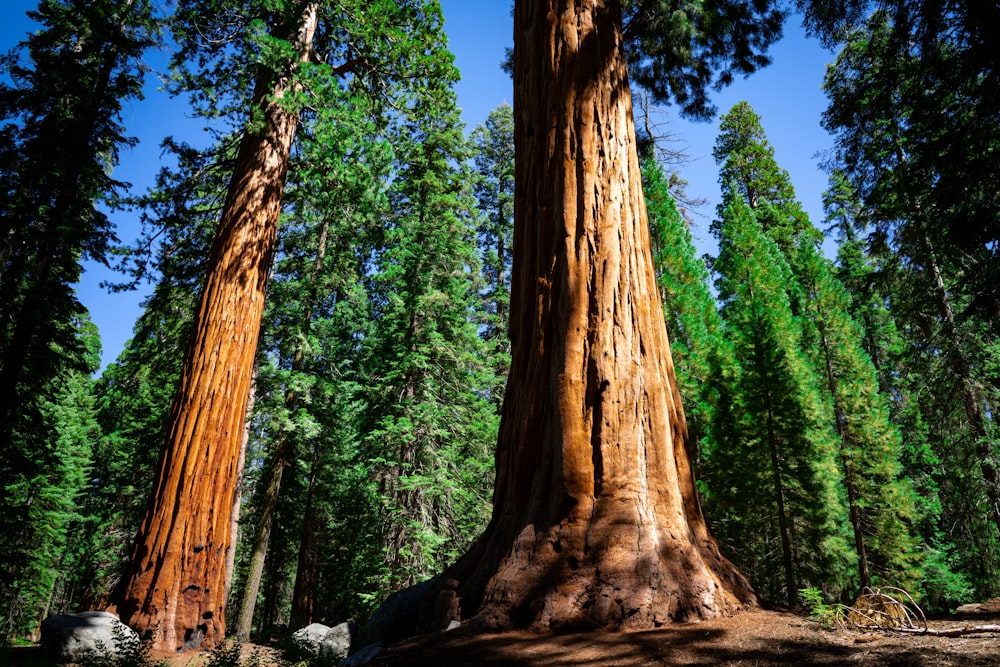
x: 596, y: 522
x: 176, y: 579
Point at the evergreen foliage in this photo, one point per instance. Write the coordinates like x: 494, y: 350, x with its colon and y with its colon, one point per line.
x: 880, y: 503
x: 60, y: 122
x: 45, y: 503
x: 62, y: 134
x: 304, y: 482
x: 911, y: 106
x: 493, y: 149
x: 746, y: 161
x: 428, y: 430
x: 787, y: 450
x: 679, y: 50
x: 703, y: 357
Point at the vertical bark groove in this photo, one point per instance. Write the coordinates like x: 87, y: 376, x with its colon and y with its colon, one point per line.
x: 596, y: 522
x: 176, y: 580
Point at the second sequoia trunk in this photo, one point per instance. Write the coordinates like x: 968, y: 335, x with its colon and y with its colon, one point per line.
x: 175, y: 583
x: 596, y: 521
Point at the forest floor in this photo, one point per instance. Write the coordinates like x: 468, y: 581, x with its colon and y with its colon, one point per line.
x: 758, y: 639
x: 751, y: 639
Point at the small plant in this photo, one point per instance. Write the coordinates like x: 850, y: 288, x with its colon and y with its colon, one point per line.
x: 226, y: 654
x: 819, y: 610
x: 229, y: 654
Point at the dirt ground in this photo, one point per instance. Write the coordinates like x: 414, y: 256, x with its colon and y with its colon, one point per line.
x: 751, y: 639
x: 756, y: 639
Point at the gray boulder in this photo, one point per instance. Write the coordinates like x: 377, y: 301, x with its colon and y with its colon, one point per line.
x: 318, y: 639
x: 73, y: 637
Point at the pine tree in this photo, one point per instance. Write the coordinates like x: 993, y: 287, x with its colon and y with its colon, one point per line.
x: 62, y: 128
x: 880, y: 503
x: 429, y: 432
x: 788, y: 452
x: 47, y: 503
x: 493, y: 146
x: 61, y: 112
x: 746, y: 161
x: 703, y: 358
x: 880, y: 500
x: 933, y: 67
x: 887, y: 112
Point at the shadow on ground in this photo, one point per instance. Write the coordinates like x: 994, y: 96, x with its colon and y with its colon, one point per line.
x: 755, y: 639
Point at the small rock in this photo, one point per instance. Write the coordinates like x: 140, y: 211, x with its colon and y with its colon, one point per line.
x: 318, y: 639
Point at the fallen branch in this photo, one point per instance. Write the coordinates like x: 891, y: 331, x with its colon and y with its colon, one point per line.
x: 895, y: 609
x: 891, y: 608
x: 950, y: 632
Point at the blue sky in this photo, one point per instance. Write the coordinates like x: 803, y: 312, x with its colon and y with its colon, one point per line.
x: 787, y: 95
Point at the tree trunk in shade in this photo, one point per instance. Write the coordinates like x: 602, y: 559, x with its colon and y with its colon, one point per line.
x: 596, y: 522
x: 175, y: 583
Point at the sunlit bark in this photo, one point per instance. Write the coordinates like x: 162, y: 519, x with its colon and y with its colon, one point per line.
x: 176, y: 580
x: 596, y: 521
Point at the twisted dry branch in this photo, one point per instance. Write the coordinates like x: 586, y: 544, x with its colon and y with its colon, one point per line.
x: 894, y: 609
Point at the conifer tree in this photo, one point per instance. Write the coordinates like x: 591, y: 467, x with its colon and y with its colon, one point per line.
x: 746, y: 162
x: 870, y: 276
x: 880, y: 502
x: 428, y: 430
x: 592, y: 467
x: 493, y: 146
x: 41, y: 562
x: 787, y: 452
x: 176, y: 579
x: 177, y: 576
x: 887, y: 105
x: 134, y: 393
x: 703, y: 358
x: 62, y: 129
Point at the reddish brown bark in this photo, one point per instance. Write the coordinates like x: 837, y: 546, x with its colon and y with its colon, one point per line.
x: 596, y: 521
x: 176, y: 580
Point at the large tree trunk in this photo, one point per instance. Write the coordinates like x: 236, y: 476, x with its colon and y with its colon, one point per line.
x: 176, y: 579
x: 596, y: 522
